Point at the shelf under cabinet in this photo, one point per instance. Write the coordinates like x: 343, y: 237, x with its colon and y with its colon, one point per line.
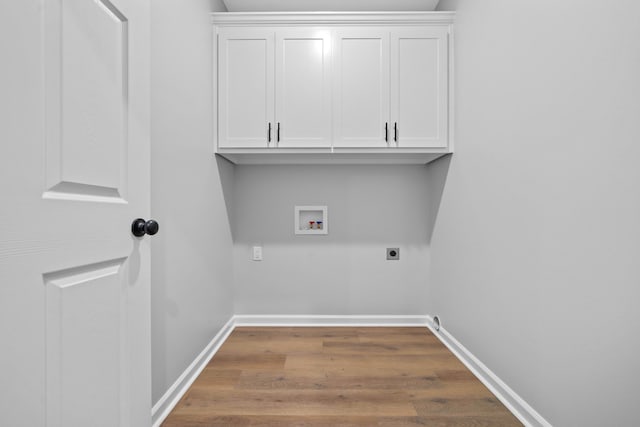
x: 326, y: 157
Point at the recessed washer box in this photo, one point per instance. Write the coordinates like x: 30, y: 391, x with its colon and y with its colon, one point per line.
x: 311, y: 220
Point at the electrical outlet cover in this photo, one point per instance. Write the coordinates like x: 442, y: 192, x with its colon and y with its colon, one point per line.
x: 393, y: 254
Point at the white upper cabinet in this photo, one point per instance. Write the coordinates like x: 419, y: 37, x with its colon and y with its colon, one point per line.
x: 419, y: 87
x: 328, y: 87
x: 245, y: 90
x: 391, y: 87
x: 361, y: 87
x: 274, y: 88
x: 303, y: 88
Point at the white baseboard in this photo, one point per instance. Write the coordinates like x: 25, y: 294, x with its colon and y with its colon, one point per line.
x: 170, y: 399
x: 330, y: 320
x: 521, y: 409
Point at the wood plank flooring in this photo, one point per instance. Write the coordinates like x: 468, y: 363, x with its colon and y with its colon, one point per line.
x: 337, y: 377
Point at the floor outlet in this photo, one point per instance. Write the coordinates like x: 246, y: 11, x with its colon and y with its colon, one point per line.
x: 257, y: 253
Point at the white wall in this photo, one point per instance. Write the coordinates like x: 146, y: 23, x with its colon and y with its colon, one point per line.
x: 192, y: 279
x: 345, y: 272
x: 536, y: 248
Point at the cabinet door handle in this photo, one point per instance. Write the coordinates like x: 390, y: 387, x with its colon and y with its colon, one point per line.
x: 395, y: 131
x: 278, y: 139
x: 386, y: 131
x: 269, y: 133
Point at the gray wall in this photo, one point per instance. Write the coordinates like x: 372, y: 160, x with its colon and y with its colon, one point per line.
x: 192, y: 279
x: 536, y: 247
x: 345, y: 272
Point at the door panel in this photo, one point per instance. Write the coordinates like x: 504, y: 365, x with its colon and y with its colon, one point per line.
x: 419, y: 86
x: 361, y: 87
x: 87, y: 100
x: 303, y: 88
x: 74, y: 299
x: 246, y: 105
x: 85, y: 346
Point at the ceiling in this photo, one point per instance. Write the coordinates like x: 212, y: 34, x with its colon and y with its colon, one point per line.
x: 329, y: 5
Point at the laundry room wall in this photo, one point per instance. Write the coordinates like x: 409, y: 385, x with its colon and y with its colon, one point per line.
x: 192, y: 278
x: 536, y: 244
x: 370, y: 208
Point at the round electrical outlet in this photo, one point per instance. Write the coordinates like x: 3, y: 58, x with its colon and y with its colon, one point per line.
x: 393, y: 254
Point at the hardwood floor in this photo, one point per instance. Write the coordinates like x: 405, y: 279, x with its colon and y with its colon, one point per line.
x: 337, y: 377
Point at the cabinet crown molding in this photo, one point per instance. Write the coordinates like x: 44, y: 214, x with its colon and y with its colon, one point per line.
x: 329, y: 18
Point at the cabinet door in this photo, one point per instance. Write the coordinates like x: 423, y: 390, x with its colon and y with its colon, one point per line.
x: 245, y: 87
x: 419, y: 86
x: 361, y: 87
x: 303, y: 88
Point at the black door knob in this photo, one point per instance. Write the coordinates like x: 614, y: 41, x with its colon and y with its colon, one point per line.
x: 140, y: 227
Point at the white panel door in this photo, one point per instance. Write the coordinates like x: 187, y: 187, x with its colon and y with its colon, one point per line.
x: 245, y: 89
x: 303, y: 88
x: 419, y: 86
x: 361, y: 87
x: 74, y: 282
